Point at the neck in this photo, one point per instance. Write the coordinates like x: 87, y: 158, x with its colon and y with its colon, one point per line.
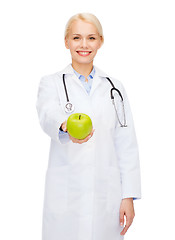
x: 83, y: 69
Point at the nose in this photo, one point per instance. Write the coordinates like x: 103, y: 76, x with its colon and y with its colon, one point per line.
x: 84, y: 43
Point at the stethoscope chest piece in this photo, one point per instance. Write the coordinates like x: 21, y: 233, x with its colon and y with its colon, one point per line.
x: 69, y: 107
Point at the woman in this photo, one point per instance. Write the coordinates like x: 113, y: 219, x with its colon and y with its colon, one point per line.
x: 90, y: 183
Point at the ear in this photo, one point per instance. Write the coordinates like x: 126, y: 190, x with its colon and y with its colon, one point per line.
x: 100, y: 44
x: 66, y: 43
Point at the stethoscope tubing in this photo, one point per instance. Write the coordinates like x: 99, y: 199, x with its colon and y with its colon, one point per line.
x: 113, y: 88
x: 112, y: 98
x: 65, y: 88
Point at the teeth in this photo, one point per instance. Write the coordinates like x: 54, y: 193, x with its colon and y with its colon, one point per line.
x: 84, y: 53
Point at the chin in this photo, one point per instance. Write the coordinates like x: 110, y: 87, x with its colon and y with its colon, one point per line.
x: 83, y: 62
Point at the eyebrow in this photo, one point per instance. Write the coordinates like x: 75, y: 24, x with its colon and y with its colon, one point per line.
x: 88, y: 34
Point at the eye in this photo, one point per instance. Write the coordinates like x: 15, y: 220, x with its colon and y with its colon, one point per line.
x: 76, y: 38
x: 92, y: 38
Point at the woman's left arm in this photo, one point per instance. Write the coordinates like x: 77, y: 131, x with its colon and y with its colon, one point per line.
x: 129, y: 165
x: 128, y: 154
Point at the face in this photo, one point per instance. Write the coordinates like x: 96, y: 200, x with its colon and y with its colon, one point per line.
x: 83, y: 41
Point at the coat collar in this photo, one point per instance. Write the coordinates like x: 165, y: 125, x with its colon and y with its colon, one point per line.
x: 96, y: 80
x: 69, y: 70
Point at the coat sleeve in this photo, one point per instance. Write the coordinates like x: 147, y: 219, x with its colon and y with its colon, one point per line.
x: 49, y: 109
x: 128, y: 154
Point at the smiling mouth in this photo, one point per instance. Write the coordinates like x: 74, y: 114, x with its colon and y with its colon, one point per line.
x: 84, y: 53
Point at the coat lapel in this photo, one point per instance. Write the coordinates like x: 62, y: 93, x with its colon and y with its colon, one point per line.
x: 70, y: 72
x: 97, y: 79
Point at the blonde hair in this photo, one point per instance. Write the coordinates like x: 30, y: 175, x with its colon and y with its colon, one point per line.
x: 87, y: 17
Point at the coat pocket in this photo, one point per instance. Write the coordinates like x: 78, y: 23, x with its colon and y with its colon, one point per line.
x: 56, y: 190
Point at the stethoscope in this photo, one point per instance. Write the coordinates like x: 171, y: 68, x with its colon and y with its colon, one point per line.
x: 69, y: 107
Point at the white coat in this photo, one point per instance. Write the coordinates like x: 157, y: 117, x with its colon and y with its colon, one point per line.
x: 85, y: 183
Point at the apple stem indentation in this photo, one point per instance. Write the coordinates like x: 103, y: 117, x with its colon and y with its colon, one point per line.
x: 79, y: 117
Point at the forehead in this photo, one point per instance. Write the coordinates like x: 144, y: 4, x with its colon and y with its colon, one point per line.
x: 82, y: 27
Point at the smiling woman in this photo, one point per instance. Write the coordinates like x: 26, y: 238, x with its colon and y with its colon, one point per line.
x: 90, y: 182
x: 83, y: 39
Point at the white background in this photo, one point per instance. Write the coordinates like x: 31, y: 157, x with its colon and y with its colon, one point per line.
x: 139, y: 50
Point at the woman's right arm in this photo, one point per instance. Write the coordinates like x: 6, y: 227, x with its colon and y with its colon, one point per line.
x: 49, y: 108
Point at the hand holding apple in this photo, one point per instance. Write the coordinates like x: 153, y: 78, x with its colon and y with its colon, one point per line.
x: 79, y: 125
x: 80, y: 141
x: 74, y: 140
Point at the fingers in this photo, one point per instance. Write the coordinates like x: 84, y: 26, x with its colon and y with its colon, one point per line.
x: 89, y: 136
x: 129, y: 220
x: 121, y: 217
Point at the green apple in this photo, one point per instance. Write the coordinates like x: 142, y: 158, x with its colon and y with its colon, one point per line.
x: 79, y: 125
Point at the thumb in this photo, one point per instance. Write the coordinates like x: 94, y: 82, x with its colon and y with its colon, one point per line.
x: 121, y: 217
x: 64, y: 127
